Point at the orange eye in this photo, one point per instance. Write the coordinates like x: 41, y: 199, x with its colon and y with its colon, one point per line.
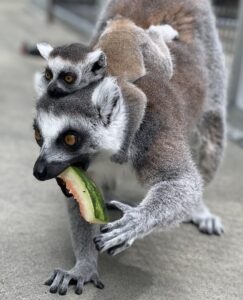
x: 70, y: 139
x: 69, y: 79
x: 48, y: 74
x: 38, y: 136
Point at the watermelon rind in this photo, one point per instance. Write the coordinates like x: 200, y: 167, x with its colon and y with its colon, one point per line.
x: 87, y: 194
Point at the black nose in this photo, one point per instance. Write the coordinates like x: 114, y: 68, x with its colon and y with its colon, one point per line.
x: 56, y: 92
x: 40, y: 169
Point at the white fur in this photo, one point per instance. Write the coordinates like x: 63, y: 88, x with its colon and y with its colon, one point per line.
x: 39, y: 84
x: 58, y: 64
x: 45, y: 49
x: 113, y: 135
x: 51, y: 125
x: 127, y: 187
x: 93, y: 56
x: 166, y: 32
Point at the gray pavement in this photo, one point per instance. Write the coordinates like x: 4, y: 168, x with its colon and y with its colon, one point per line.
x: 34, y: 233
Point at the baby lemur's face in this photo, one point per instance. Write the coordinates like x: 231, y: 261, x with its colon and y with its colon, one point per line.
x: 69, y: 68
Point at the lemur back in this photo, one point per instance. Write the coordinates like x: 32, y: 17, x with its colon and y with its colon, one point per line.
x: 198, y: 60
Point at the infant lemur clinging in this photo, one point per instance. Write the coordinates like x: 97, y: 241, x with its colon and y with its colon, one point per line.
x: 73, y: 67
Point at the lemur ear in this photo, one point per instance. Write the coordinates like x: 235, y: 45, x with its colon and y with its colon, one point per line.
x: 107, y: 98
x: 98, y: 62
x: 44, y: 49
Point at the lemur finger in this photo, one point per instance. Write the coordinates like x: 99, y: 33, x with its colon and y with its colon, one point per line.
x: 113, y: 250
x: 96, y: 281
x: 113, y: 225
x: 79, y: 286
x: 55, y: 285
x: 50, y: 279
x: 209, y: 226
x: 123, y: 227
x: 119, y: 248
x: 112, y: 243
x: 218, y: 227
x: 121, y: 206
x: 115, y: 241
x: 65, y: 283
x: 103, y: 238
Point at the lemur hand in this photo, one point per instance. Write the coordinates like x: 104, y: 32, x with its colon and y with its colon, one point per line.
x: 82, y: 273
x: 119, y: 235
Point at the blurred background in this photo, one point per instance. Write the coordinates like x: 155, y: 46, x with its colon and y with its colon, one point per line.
x: 34, y: 237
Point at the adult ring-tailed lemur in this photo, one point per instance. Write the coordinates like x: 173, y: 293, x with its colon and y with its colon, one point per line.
x: 175, y: 151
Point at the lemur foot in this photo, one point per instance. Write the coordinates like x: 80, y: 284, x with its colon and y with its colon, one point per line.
x: 60, y: 279
x: 167, y: 32
x: 120, y: 235
x: 207, y: 222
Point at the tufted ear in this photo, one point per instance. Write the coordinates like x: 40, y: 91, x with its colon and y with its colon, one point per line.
x: 97, y: 60
x: 45, y: 50
x: 107, y: 98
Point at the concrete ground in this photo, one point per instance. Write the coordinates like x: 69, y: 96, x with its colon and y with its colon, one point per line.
x: 34, y: 235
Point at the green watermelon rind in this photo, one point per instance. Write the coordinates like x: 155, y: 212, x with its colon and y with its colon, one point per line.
x: 95, y: 195
x: 91, y: 196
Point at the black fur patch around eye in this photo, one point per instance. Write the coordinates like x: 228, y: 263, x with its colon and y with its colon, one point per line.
x: 81, y: 139
x: 63, y: 74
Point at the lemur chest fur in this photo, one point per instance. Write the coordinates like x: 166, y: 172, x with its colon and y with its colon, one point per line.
x: 119, y: 181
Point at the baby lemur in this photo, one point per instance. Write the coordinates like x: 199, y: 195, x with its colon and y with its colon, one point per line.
x: 75, y: 66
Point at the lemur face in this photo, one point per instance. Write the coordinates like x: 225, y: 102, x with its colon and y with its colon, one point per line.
x: 69, y: 68
x: 75, y: 128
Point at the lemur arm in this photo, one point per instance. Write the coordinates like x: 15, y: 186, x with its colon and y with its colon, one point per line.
x: 158, y: 49
x: 136, y: 102
x: 85, y: 268
x: 175, y: 191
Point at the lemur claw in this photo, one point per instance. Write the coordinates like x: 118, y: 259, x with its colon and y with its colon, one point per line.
x: 119, y: 235
x: 60, y: 280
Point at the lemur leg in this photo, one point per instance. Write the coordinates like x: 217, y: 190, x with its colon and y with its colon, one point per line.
x: 158, y: 49
x: 210, y: 143
x: 212, y: 134
x: 136, y: 102
x: 167, y: 203
x: 85, y: 268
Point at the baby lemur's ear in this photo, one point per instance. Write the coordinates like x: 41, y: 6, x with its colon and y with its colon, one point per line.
x: 97, y: 60
x: 44, y: 49
x: 108, y: 99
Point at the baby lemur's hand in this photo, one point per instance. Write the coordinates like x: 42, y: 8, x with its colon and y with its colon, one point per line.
x: 120, y: 235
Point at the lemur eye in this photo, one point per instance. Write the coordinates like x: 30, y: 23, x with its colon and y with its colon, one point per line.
x: 70, y: 139
x: 69, y: 78
x: 38, y: 136
x: 48, y: 74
